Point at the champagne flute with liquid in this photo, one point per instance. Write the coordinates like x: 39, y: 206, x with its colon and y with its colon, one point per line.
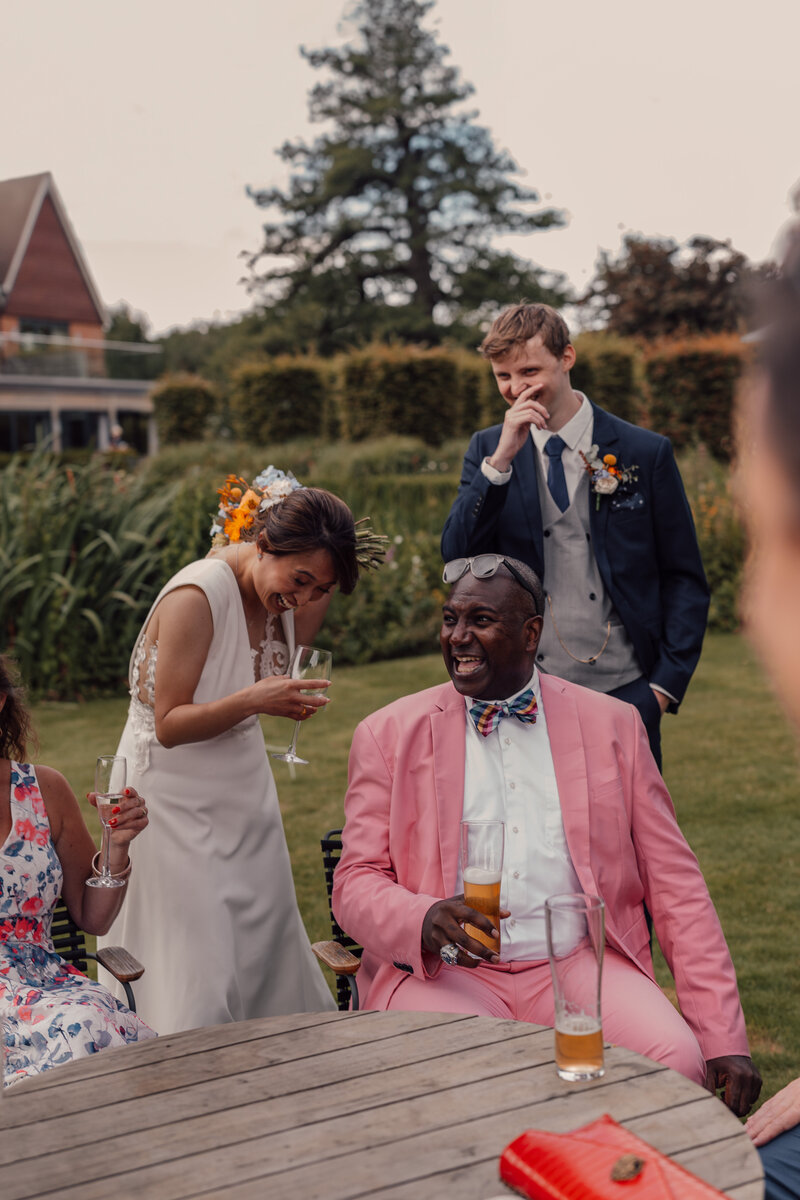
x: 109, y: 783
x: 307, y: 662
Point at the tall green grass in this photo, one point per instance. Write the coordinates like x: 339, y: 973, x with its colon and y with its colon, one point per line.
x: 85, y: 549
x: 80, y: 557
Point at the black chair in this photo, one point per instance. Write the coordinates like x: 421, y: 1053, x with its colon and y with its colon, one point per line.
x: 70, y: 942
x: 342, y: 955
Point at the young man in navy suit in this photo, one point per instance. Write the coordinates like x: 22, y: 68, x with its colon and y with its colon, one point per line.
x: 596, y: 506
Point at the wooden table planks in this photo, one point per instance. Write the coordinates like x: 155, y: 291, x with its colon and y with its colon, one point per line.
x: 338, y: 1105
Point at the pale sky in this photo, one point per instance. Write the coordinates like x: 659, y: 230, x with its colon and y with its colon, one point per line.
x: 672, y: 119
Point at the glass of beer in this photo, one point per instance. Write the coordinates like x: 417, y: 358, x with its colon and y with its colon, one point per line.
x: 575, y: 924
x: 482, y: 871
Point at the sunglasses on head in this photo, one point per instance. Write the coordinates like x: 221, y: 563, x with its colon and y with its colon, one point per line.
x: 484, y: 566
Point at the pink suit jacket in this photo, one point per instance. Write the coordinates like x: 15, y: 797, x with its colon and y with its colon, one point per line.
x: 400, y: 855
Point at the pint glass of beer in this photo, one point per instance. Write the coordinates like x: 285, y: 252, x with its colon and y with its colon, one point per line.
x: 482, y: 871
x: 575, y: 940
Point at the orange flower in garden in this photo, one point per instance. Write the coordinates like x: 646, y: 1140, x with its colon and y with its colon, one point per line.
x: 610, y: 461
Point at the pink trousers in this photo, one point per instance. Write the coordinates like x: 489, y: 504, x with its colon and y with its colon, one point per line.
x: 636, y: 1013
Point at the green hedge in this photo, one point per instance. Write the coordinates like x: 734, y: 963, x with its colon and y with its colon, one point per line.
x: 607, y: 370
x: 183, y: 406
x: 692, y: 388
x: 281, y: 399
x: 401, y: 390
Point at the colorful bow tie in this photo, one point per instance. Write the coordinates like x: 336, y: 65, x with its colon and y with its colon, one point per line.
x: 486, y: 714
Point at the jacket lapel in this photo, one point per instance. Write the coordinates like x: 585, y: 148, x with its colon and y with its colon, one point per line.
x: 569, y: 760
x: 606, y: 438
x: 448, y: 735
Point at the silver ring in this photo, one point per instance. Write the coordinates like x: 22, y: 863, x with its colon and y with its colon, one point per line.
x: 449, y: 954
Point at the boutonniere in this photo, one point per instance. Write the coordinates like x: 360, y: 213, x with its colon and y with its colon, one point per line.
x: 606, y: 474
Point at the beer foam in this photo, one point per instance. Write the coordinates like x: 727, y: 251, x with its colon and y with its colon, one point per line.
x: 480, y: 875
x: 577, y: 1024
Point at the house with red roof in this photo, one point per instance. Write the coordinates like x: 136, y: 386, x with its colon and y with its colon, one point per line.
x: 53, y: 377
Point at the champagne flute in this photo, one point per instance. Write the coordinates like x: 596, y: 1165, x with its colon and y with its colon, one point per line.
x: 307, y: 662
x: 109, y: 783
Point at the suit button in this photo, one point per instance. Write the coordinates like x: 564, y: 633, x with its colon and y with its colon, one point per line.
x: 547, y: 533
x: 540, y: 657
x: 592, y: 596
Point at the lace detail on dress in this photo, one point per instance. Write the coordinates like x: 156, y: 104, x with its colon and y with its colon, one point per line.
x: 143, y: 698
x: 272, y: 656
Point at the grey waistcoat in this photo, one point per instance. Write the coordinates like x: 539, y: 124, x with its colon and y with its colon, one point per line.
x: 581, y: 607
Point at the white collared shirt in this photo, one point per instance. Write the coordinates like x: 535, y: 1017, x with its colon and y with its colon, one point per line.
x: 510, y: 777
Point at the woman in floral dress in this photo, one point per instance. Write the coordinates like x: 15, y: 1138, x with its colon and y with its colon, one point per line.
x: 51, y: 1012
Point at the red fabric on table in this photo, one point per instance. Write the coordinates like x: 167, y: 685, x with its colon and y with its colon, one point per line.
x: 578, y: 1166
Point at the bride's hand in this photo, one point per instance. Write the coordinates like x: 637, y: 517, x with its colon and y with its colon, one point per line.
x: 282, y: 696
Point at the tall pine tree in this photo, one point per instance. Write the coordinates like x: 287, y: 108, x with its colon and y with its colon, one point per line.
x: 386, y: 227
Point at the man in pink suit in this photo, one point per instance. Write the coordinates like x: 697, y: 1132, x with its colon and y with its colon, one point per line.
x: 585, y: 809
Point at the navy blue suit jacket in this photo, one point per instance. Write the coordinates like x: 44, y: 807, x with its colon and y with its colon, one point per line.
x: 643, y: 538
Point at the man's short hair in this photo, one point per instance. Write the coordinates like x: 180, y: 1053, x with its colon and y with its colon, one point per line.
x: 527, y: 573
x: 518, y: 324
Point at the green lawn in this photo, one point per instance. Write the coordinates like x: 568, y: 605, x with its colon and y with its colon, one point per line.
x: 730, y: 763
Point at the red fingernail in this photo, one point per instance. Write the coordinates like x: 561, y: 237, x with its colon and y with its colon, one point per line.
x: 113, y: 821
x: 88, y: 794
x: 116, y: 809
x: 128, y: 792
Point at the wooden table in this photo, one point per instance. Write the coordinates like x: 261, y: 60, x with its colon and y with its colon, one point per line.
x: 397, y: 1105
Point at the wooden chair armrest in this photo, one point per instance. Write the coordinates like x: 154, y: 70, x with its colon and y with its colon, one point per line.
x: 122, y: 965
x: 334, y: 955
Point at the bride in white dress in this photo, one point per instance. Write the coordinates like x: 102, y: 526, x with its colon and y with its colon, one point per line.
x: 211, y: 908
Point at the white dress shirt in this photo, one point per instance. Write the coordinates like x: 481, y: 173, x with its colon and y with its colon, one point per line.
x: 510, y: 777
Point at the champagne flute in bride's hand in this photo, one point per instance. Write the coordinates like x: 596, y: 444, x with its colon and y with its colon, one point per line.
x: 109, y: 784
x: 307, y: 662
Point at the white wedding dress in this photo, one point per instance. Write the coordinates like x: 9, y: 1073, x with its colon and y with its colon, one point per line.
x: 211, y: 909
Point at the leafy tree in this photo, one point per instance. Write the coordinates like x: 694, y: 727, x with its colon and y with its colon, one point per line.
x: 386, y: 226
x: 126, y: 326
x: 656, y: 288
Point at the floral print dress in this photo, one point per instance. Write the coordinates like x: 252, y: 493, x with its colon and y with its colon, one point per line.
x: 51, y: 1011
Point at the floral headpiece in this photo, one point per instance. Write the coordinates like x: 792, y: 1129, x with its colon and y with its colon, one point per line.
x: 241, y: 502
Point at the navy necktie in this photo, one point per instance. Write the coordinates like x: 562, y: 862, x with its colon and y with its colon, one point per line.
x: 556, y: 481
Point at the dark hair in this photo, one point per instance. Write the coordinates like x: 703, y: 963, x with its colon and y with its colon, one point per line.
x: 518, y: 324
x: 16, y: 729
x: 312, y: 519
x: 779, y: 357
x: 536, y: 593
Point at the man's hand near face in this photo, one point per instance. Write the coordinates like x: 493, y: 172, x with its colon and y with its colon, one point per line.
x: 526, y: 410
